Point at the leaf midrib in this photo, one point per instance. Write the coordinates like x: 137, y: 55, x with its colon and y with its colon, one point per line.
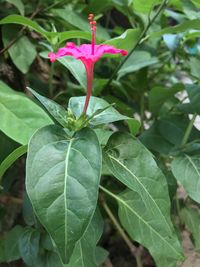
x: 65, y: 191
x: 132, y: 174
x: 120, y: 200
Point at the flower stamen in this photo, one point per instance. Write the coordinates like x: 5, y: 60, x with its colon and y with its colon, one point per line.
x: 93, y: 29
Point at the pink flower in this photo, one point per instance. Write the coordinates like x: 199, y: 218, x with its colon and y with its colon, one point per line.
x: 88, y: 54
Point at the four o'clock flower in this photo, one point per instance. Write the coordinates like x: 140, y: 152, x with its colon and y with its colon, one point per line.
x: 88, y: 54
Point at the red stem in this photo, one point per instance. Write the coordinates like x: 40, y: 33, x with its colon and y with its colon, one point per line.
x: 90, y: 74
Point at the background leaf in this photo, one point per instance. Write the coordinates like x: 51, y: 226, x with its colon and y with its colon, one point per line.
x: 29, y: 246
x: 186, y: 170
x: 84, y: 254
x: 17, y: 113
x: 22, y: 52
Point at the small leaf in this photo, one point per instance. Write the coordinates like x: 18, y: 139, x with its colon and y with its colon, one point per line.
x: 11, y: 244
x: 63, y: 195
x: 137, y: 61
x: 186, y: 170
x: 29, y: 246
x: 20, y: 49
x: 191, y: 218
x: 76, y: 104
x: 17, y: 113
x: 194, y: 97
x: 158, y: 95
x: 18, y: 4
x: 54, y: 109
x: 126, y: 40
x: 144, y: 6
x: 84, y: 254
x: 76, y: 67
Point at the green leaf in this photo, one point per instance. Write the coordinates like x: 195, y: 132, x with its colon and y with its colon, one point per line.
x: 137, y: 221
x: 76, y: 67
x: 29, y: 246
x: 22, y: 52
x: 191, y: 218
x: 186, y: 170
x: 75, y: 19
x: 84, y: 254
x: 125, y: 41
x: 11, y: 244
x: 194, y: 97
x: 158, y: 95
x: 153, y: 140
x: 144, y: 6
x: 11, y: 158
x: 17, y: 113
x: 27, y: 211
x: 18, y: 4
x: 76, y: 105
x: 101, y: 255
x: 182, y: 27
x: 164, y: 248
x: 17, y: 19
x: 62, y: 194
x: 2, y: 251
x: 133, y: 165
x: 137, y: 61
x: 54, y: 109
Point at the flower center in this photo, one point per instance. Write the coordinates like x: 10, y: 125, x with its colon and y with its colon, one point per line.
x: 93, y: 29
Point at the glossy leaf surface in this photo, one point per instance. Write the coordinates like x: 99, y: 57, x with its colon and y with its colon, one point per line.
x: 62, y: 183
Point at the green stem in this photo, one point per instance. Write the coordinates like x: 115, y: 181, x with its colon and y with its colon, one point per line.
x: 164, y: 3
x: 133, y: 249
x: 51, y: 80
x: 188, y: 130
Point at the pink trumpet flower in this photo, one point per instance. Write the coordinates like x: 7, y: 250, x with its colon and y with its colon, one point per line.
x: 88, y: 54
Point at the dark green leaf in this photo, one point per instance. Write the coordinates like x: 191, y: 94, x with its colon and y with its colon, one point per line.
x: 194, y: 97
x: 19, y: 5
x: 22, y: 52
x: 84, y: 254
x: 29, y: 246
x: 137, y: 61
x: 11, y: 244
x: 158, y: 95
x: 186, y: 170
x: 56, y: 181
x: 191, y: 218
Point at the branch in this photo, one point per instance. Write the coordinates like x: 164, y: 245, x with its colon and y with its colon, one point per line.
x: 142, y: 36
